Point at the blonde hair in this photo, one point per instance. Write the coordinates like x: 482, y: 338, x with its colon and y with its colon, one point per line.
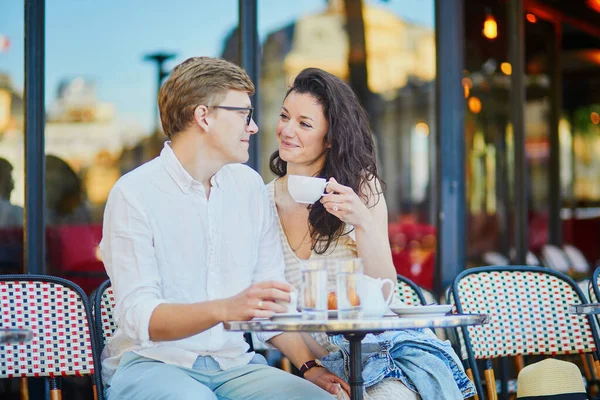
x: 197, y: 81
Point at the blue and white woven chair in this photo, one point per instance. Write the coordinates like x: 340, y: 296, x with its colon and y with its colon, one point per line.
x: 528, y: 309
x: 63, y: 344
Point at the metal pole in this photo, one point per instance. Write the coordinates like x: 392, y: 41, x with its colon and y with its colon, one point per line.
x: 450, y: 142
x: 249, y: 56
x: 555, y: 202
x: 516, y: 44
x: 35, y: 162
x: 159, y: 59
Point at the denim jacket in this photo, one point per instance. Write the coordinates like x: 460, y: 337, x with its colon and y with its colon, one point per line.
x: 420, y: 360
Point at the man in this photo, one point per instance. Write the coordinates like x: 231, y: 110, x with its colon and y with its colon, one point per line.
x: 189, y: 243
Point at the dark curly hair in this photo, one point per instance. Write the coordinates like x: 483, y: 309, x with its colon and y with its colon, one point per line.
x: 351, y: 159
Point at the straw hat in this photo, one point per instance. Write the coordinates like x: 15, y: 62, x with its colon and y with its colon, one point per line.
x: 551, y: 379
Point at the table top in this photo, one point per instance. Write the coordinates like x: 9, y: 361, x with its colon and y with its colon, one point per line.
x: 592, y: 308
x: 386, y: 323
x: 15, y: 336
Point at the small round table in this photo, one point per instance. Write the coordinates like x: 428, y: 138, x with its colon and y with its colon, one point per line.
x: 355, y: 331
x: 15, y: 335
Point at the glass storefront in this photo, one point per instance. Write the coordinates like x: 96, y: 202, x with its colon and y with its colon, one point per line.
x: 102, y: 69
x: 12, y: 159
x: 101, y: 80
x: 400, y: 47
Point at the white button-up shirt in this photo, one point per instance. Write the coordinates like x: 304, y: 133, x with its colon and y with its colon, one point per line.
x: 165, y: 242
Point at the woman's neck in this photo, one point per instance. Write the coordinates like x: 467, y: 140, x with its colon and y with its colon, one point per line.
x: 305, y: 170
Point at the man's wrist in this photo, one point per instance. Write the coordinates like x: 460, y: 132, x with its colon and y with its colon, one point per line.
x: 309, y: 365
x: 219, y: 310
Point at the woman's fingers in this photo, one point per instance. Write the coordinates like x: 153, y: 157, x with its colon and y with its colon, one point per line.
x: 334, y: 187
x: 334, y: 198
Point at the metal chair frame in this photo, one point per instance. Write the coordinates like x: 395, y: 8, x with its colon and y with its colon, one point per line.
x: 54, y: 382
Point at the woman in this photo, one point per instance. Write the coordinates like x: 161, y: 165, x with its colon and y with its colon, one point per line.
x: 323, y: 131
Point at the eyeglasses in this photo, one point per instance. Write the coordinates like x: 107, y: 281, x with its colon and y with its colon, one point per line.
x: 249, y: 109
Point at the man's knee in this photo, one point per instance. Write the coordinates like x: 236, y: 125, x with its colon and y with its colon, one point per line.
x: 268, y: 383
x: 156, y: 381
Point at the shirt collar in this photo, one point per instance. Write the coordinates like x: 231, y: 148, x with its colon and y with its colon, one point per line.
x: 181, y: 177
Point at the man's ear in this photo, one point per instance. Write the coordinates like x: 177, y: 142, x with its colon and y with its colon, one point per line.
x: 201, y: 117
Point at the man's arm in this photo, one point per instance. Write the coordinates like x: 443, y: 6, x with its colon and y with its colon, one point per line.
x: 292, y: 345
x: 178, y: 321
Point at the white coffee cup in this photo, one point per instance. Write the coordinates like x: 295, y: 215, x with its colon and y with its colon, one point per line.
x: 306, y: 189
x: 292, y: 306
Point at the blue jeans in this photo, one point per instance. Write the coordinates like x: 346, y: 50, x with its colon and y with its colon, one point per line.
x: 145, y: 379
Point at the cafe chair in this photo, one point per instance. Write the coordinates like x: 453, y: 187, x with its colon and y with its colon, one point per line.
x: 578, y: 261
x: 103, y: 305
x: 495, y: 258
x: 528, y: 309
x: 409, y: 292
x: 555, y: 258
x: 594, y: 287
x: 63, y: 344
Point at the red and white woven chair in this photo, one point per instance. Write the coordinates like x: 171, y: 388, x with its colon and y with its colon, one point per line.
x: 63, y: 344
x: 409, y: 292
x: 528, y: 309
x: 103, y: 305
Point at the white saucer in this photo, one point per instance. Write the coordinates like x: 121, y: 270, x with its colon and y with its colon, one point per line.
x: 287, y: 315
x: 436, y: 309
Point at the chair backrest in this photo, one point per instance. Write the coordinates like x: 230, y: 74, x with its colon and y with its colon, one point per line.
x: 104, y: 321
x: 555, y: 258
x: 577, y: 259
x: 58, y: 313
x: 495, y: 258
x: 532, y: 259
x: 409, y: 292
x: 528, y: 309
x: 595, y: 286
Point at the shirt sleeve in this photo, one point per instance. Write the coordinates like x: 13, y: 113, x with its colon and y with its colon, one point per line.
x: 270, y: 265
x: 129, y: 258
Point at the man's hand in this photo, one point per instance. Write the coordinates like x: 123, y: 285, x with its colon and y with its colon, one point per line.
x: 326, y: 380
x: 258, y: 301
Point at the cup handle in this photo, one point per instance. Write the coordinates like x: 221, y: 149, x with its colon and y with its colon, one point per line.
x: 325, y: 189
x: 389, y: 298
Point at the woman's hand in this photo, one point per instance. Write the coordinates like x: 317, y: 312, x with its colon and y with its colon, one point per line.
x: 345, y: 204
x: 326, y: 380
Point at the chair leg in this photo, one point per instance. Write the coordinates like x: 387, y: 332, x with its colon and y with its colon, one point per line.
x: 95, y: 392
x: 520, y: 363
x: 470, y: 375
x: 596, y: 368
x: 490, y: 380
x: 286, y: 364
x: 55, y: 389
x: 24, y: 389
x: 586, y: 367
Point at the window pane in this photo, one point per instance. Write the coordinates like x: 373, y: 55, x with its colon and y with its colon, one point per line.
x: 101, y: 87
x: 400, y: 48
x: 12, y: 156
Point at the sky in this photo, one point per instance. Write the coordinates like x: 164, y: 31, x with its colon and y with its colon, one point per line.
x: 105, y: 41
